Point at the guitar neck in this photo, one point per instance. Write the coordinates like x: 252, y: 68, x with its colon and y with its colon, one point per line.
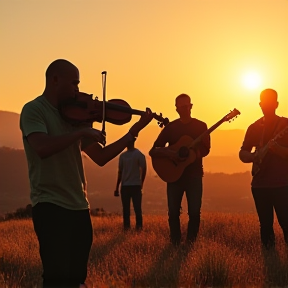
x: 278, y: 136
x: 207, y: 132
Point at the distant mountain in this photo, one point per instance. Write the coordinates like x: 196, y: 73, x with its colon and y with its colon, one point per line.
x: 10, y: 134
x: 222, y: 192
x: 223, y: 156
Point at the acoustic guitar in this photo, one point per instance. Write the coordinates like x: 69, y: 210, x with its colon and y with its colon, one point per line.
x: 257, y: 165
x: 170, y: 171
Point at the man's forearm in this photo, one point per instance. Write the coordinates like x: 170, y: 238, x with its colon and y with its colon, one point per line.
x: 102, y: 155
x: 46, y: 146
x: 246, y: 156
x: 118, y: 180
x: 143, y: 175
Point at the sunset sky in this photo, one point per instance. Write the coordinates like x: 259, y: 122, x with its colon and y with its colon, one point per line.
x: 220, y: 52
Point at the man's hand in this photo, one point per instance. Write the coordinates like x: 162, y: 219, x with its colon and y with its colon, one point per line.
x: 116, y: 193
x: 143, y: 122
x: 94, y: 134
x: 247, y: 156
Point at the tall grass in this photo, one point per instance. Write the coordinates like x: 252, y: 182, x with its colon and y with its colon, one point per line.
x: 227, y: 253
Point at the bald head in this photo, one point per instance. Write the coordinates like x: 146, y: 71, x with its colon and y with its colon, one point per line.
x: 59, y: 67
x: 268, y: 102
x: 62, y: 80
x: 268, y: 95
x: 182, y: 97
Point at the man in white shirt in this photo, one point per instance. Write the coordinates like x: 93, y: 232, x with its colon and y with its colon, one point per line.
x: 131, y: 174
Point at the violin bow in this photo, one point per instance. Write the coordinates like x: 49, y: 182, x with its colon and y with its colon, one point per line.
x: 104, y: 73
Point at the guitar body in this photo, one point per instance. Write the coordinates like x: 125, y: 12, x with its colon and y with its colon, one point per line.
x: 170, y: 171
x: 255, y: 168
x: 257, y: 165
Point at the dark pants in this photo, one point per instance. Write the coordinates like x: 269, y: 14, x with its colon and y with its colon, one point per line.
x: 266, y: 201
x: 134, y: 193
x: 175, y: 191
x: 65, y: 239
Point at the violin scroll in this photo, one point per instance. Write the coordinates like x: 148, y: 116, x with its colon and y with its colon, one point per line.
x: 161, y: 121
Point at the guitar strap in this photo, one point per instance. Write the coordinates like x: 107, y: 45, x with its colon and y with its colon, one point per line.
x: 274, y: 131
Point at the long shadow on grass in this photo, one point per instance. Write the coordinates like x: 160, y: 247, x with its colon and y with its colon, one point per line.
x: 98, y: 252
x: 165, y: 271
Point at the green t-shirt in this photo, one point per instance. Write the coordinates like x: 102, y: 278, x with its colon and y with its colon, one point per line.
x: 60, y: 178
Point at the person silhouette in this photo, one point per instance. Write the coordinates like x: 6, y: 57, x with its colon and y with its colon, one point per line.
x: 60, y: 207
x: 131, y: 174
x: 191, y: 179
x: 270, y: 167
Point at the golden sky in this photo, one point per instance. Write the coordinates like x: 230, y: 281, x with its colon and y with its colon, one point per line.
x: 152, y: 51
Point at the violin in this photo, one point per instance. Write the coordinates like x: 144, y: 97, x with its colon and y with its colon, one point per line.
x: 83, y: 108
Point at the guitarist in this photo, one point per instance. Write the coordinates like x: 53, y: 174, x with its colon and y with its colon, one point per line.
x: 191, y: 178
x: 270, y: 180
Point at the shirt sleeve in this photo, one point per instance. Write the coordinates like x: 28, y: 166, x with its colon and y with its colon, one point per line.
x: 248, y: 144
x: 283, y: 132
x: 32, y: 120
x: 142, y: 161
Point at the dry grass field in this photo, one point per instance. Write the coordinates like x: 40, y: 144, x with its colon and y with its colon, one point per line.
x: 227, y: 254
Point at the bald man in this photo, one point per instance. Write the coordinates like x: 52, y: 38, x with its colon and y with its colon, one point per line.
x: 270, y: 167
x: 53, y: 148
x: 190, y: 181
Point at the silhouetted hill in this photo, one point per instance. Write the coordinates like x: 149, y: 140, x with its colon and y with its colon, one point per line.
x: 10, y: 134
x: 222, y: 192
x: 14, y: 183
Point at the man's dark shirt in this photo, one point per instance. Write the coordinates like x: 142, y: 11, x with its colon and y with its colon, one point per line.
x: 274, y: 169
x: 175, y: 130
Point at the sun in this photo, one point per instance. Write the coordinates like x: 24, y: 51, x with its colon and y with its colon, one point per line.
x: 251, y: 80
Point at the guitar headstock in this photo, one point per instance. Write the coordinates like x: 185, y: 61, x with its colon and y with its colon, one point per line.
x: 231, y: 115
x: 161, y: 120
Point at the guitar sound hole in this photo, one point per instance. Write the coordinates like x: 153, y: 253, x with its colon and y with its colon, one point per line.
x: 183, y: 152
